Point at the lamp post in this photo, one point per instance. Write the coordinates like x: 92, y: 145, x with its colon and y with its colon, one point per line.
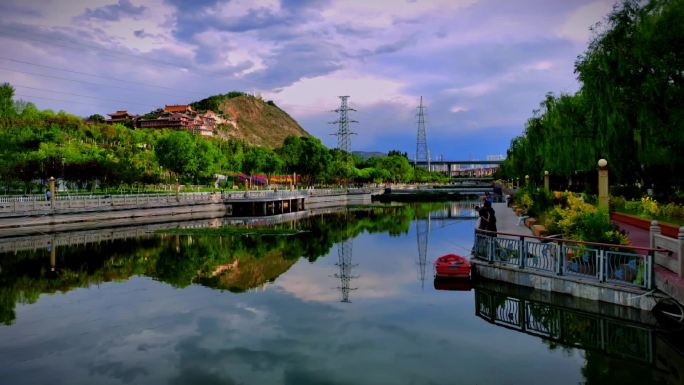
x: 546, y: 181
x: 52, y: 191
x: 527, y: 180
x: 603, y: 183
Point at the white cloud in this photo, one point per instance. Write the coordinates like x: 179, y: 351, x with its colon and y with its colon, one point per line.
x: 321, y: 93
x: 543, y: 65
x: 576, y: 27
x: 457, y: 109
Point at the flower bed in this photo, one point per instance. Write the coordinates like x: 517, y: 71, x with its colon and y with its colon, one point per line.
x: 668, y: 229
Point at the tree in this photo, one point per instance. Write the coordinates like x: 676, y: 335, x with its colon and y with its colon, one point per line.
x: 6, y: 103
x: 177, y: 152
x: 96, y: 118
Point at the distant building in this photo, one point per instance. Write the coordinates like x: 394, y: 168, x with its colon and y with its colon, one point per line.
x: 179, y: 108
x: 122, y: 117
x: 177, y: 116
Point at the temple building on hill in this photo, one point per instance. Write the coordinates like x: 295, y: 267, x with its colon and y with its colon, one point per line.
x: 122, y: 117
x: 179, y: 108
x: 177, y: 116
x: 167, y: 120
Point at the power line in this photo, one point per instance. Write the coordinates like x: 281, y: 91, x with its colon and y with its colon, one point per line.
x: 57, y: 100
x: 77, y: 81
x: 96, y: 75
x: 85, y: 96
x: 105, y: 51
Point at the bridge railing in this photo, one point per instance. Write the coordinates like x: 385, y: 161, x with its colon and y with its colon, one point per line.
x: 598, y: 262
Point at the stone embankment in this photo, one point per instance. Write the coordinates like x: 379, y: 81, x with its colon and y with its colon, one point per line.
x: 34, y: 214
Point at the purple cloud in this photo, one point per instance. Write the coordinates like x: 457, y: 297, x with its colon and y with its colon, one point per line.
x: 114, y: 12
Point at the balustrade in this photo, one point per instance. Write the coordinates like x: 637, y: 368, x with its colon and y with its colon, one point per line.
x: 599, y: 262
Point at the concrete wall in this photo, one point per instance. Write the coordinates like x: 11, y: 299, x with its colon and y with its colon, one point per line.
x: 576, y: 287
x: 332, y: 200
x: 124, y: 216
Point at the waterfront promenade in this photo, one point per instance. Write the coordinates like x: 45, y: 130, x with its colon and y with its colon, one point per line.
x: 515, y: 256
x: 665, y: 280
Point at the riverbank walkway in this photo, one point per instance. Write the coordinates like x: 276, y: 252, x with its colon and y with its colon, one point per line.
x: 621, y: 275
x: 507, y: 221
x: 665, y: 280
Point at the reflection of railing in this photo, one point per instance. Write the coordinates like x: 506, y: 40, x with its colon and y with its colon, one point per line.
x: 566, y: 326
x: 624, y: 265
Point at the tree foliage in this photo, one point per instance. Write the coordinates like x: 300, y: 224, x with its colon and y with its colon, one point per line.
x: 629, y: 109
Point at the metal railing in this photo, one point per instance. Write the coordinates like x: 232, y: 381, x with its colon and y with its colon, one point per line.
x: 599, y: 262
x: 567, y: 326
x: 12, y: 205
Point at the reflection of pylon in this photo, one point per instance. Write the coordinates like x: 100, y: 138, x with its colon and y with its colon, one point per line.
x: 344, y: 253
x: 422, y: 233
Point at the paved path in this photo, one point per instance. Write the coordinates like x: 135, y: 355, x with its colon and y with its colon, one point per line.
x: 507, y: 221
x: 638, y: 236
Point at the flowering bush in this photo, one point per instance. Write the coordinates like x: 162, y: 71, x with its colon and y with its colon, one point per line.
x: 649, y: 206
x: 584, y: 222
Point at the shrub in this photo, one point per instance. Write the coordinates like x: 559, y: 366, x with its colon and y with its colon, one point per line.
x: 649, y: 206
x: 535, y: 200
x: 672, y: 210
x: 584, y: 222
x: 617, y: 202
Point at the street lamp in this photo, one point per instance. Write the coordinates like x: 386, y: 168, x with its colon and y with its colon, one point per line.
x: 603, y: 183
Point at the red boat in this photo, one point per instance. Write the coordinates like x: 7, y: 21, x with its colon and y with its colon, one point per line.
x: 452, y: 265
x: 453, y: 283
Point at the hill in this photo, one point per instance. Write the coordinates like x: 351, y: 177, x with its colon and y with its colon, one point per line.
x: 258, y: 122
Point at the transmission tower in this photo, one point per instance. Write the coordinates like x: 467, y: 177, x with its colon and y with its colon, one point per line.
x: 422, y: 234
x: 344, y: 253
x: 343, y: 133
x: 422, y: 151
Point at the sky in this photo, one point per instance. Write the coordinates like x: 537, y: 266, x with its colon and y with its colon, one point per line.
x: 481, y: 66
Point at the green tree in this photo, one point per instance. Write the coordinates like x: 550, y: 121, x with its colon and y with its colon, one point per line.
x: 177, y: 152
x: 6, y: 103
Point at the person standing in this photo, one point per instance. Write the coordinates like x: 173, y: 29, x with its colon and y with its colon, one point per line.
x: 491, y: 216
x: 48, y: 195
x: 484, y: 218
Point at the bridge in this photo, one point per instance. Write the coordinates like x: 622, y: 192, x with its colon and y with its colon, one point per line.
x: 456, y: 167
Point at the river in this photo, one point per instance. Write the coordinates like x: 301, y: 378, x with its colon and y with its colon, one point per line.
x: 341, y: 298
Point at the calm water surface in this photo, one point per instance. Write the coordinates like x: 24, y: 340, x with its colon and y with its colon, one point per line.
x: 350, y: 301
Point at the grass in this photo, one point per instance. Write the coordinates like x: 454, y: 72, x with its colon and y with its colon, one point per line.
x: 231, y: 230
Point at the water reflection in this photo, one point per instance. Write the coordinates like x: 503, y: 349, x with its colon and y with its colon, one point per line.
x: 266, y: 309
x: 236, y: 263
x: 609, y: 342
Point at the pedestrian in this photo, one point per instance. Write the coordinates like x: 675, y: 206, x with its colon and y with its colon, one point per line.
x: 477, y: 223
x: 48, y: 195
x: 491, y: 216
x: 484, y: 218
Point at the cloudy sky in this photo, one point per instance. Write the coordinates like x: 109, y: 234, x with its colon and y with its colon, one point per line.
x: 481, y: 66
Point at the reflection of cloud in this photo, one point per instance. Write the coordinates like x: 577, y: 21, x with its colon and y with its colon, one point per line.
x: 107, y: 333
x: 316, y: 282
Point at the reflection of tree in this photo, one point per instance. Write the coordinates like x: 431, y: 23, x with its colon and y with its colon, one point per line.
x: 230, y: 262
x: 600, y: 369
